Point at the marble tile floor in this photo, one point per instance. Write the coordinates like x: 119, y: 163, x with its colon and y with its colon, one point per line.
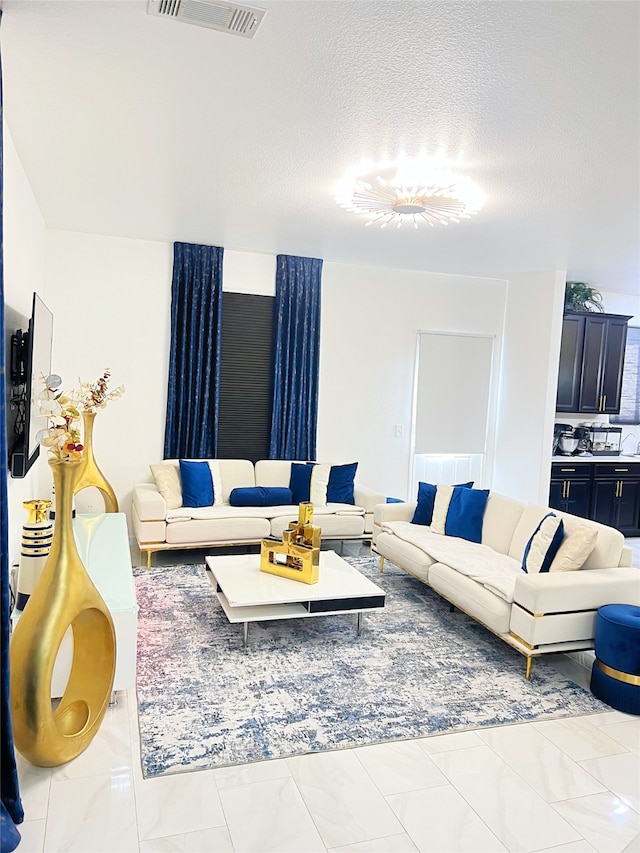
x: 557, y: 786
x: 560, y: 785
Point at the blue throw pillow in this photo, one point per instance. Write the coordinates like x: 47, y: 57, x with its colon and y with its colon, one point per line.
x: 465, y: 513
x: 300, y: 481
x: 197, y: 483
x: 426, y: 500
x: 340, y: 486
x: 540, y: 550
x: 261, y: 496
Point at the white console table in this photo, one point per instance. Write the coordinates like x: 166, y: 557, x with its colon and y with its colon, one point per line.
x: 103, y: 545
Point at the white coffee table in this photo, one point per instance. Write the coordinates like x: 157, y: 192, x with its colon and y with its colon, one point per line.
x: 249, y: 595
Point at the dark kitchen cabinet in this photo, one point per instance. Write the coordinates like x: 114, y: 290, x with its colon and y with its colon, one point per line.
x: 570, y: 367
x: 571, y: 488
x: 608, y: 492
x: 616, y: 497
x: 591, y: 362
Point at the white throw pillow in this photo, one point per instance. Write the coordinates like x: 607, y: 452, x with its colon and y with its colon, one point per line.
x: 214, y: 466
x: 441, y: 508
x: 319, y: 483
x: 579, y: 541
x: 167, y: 479
x: 544, y: 545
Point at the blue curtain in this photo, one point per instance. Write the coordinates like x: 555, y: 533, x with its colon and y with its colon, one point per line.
x: 297, y: 358
x: 191, y: 429
x: 11, y: 811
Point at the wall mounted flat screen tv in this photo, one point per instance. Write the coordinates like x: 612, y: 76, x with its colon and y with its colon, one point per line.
x: 30, y: 362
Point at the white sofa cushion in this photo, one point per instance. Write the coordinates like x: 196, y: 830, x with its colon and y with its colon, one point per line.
x: 236, y: 474
x: 338, y: 524
x: 218, y: 530
x: 609, y: 544
x: 608, y: 547
x: 441, y: 507
x: 273, y: 472
x: 501, y: 517
x: 319, y: 482
x: 497, y: 572
x: 216, y: 477
x: 579, y: 541
x: 167, y: 479
x: 205, y: 513
x: 405, y: 555
x: 473, y: 599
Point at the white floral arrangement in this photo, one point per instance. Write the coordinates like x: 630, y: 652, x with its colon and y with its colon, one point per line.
x: 63, y: 410
x: 96, y: 395
x: 62, y: 436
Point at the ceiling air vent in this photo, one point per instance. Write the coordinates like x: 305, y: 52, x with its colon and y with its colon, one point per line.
x: 224, y: 17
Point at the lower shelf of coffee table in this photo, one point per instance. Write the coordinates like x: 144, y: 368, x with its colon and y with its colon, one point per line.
x: 297, y: 610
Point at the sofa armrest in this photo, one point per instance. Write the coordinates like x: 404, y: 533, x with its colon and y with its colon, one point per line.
x: 393, y: 512
x: 626, y: 558
x: 366, y: 497
x: 569, y: 592
x: 149, y: 503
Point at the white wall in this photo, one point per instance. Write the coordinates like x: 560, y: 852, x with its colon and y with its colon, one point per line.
x: 24, y: 247
x: 370, y: 321
x: 622, y: 303
x: 111, y: 301
x: 529, y: 380
x: 249, y: 272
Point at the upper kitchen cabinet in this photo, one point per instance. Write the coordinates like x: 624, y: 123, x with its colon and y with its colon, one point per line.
x: 591, y: 362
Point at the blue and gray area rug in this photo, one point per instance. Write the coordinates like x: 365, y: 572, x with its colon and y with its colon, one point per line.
x: 311, y: 685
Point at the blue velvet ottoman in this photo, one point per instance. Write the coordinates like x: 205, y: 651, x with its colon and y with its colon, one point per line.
x: 615, y: 677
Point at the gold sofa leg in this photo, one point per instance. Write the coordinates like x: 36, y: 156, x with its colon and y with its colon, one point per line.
x: 381, y: 565
x: 527, y: 673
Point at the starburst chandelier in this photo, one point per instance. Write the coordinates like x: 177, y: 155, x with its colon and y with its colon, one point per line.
x: 409, y: 190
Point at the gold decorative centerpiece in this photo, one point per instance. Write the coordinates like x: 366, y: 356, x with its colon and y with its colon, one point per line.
x: 63, y: 597
x: 37, y: 533
x: 297, y: 557
x: 93, y: 397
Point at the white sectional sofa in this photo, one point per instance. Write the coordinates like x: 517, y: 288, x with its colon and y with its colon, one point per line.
x: 535, y: 613
x: 158, y: 528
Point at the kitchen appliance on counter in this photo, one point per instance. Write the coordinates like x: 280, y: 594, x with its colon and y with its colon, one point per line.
x: 605, y: 439
x: 585, y: 444
x: 565, y: 441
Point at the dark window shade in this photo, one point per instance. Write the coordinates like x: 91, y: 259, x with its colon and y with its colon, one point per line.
x: 246, y: 376
x: 630, y: 395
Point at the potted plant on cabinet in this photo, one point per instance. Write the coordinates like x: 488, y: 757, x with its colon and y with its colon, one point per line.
x: 579, y: 296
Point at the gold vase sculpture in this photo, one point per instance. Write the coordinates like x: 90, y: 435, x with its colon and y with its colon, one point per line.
x: 89, y: 473
x: 297, y: 557
x: 64, y: 596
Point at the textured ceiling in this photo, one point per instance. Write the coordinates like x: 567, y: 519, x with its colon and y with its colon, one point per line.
x: 143, y: 127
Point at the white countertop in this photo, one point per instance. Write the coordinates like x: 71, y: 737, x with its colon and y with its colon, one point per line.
x: 597, y: 458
